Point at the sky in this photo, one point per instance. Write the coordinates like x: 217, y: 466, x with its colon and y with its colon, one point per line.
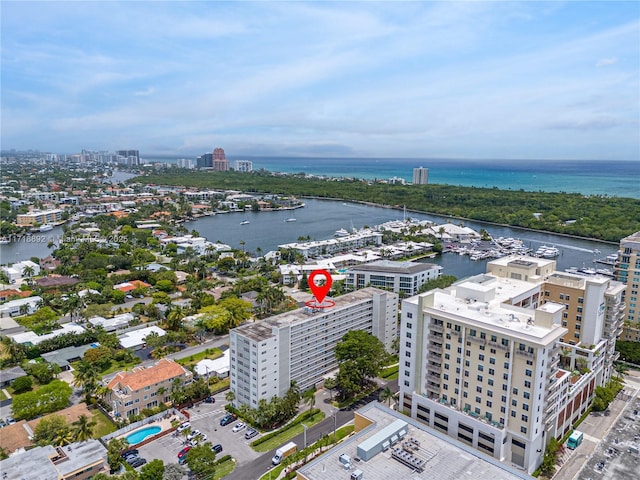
x: 519, y: 80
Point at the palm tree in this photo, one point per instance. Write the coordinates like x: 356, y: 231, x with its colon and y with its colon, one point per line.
x: 15, y: 351
x: 24, y: 309
x: 386, y: 395
x: 86, y: 377
x: 309, y: 398
x: 174, y: 318
x: 230, y: 396
x: 28, y: 271
x: 82, y: 428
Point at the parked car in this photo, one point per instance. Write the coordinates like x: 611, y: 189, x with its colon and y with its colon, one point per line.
x: 183, y: 452
x: 132, y: 459
x: 227, y: 419
x: 194, y: 434
x: 138, y: 462
x: 184, y: 426
x: 252, y: 432
x: 217, y: 448
x: 130, y: 453
x: 10, y: 420
x: 239, y: 427
x: 193, y: 443
x: 210, y: 400
x: 3, y: 423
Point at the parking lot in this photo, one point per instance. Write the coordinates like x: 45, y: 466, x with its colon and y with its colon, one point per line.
x: 206, y: 418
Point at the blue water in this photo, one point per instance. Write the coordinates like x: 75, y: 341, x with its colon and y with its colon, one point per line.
x: 590, y: 177
x: 140, y: 435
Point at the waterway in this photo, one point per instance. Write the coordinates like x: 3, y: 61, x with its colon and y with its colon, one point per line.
x: 319, y: 220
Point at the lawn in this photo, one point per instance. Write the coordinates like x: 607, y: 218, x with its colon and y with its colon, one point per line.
x: 210, y: 353
x: 2, y: 395
x: 103, y: 426
x: 220, y: 385
x: 287, y: 433
x: 225, y: 468
x: 390, y: 373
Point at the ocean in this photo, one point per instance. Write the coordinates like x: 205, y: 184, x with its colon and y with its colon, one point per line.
x: 589, y: 177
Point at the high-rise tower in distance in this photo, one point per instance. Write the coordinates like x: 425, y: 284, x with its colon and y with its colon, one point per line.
x: 420, y: 176
x: 628, y: 272
x: 220, y: 162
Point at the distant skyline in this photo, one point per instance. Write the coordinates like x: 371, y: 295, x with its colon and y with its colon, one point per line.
x: 543, y: 80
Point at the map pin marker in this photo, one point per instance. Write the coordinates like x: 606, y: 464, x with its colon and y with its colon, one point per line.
x: 320, y: 291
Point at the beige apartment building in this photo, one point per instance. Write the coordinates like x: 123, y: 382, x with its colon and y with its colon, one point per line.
x: 494, y: 362
x: 628, y: 272
x: 39, y: 217
x: 131, y: 392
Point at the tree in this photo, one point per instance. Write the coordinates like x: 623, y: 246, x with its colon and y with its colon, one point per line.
x: 15, y: 351
x: 43, y: 372
x: 386, y: 395
x: 49, y: 429
x: 201, y: 460
x: 82, y: 428
x: 173, y: 471
x: 49, y: 398
x: 360, y: 356
x: 174, y: 318
x: 154, y: 470
x: 22, y: 384
x: 114, y: 449
x: 331, y: 384
x: 86, y: 377
x: 309, y: 398
x: 100, y: 357
x: 239, y: 309
x: 28, y: 271
x: 215, y: 318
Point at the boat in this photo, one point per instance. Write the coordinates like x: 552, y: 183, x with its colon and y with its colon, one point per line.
x: 341, y: 233
x: 547, y: 252
x: 571, y: 270
x: 4, y: 241
x: 245, y: 222
x: 46, y: 227
x: 291, y: 219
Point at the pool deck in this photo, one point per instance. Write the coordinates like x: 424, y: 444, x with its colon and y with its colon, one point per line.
x: 164, y: 424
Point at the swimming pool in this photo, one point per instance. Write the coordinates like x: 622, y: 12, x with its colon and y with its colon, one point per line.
x: 140, y: 435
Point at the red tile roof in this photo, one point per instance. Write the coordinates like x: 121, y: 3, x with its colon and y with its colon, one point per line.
x: 165, y: 369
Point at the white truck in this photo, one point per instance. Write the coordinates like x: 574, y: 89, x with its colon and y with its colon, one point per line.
x: 283, y: 452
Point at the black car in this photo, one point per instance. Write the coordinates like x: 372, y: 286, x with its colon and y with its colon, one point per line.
x: 216, y: 448
x: 138, y: 462
x: 227, y: 419
x: 210, y: 400
x: 130, y: 453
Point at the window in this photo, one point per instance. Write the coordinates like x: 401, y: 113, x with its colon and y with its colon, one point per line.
x: 409, y: 315
x: 478, y: 400
x: 514, y: 402
x: 408, y: 334
x: 506, y: 365
x: 407, y: 354
x: 407, y: 364
x: 479, y: 377
x: 526, y: 395
x: 489, y: 404
x: 528, y: 372
x: 527, y: 384
x: 525, y: 407
x: 525, y: 418
x: 492, y: 371
x: 490, y: 381
x: 481, y: 357
x: 489, y: 393
x: 523, y: 429
x: 479, y: 389
x: 492, y: 361
x: 408, y: 344
x: 513, y: 413
x: 515, y: 391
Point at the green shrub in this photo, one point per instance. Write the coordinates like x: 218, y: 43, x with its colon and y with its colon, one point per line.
x: 22, y: 384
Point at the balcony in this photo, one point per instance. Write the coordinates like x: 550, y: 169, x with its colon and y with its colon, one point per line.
x: 434, y: 358
x: 524, y: 353
x: 432, y: 367
x: 435, y: 338
x: 436, y: 328
x: 435, y: 389
x: 478, y: 340
x: 434, y: 348
x: 434, y: 377
x: 498, y: 345
x: 455, y: 332
x: 549, y: 419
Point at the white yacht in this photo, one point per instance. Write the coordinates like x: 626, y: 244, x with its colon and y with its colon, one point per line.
x: 46, y: 227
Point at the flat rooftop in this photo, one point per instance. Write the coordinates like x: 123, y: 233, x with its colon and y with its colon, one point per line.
x: 259, y: 331
x: 389, y: 266
x: 444, y: 458
x: 522, y: 260
x: 495, y: 314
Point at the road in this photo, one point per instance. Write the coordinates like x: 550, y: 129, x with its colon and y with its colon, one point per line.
x: 262, y: 465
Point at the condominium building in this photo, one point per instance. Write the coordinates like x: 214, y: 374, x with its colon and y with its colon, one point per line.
x: 420, y: 176
x: 220, y: 162
x: 495, y: 362
x: 348, y: 242
x: 130, y: 392
x: 39, y: 217
x: 628, y: 272
x: 300, y: 345
x: 130, y: 158
x: 243, y: 166
x: 404, y: 278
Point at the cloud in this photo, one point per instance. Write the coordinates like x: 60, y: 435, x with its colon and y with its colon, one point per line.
x: 603, y: 62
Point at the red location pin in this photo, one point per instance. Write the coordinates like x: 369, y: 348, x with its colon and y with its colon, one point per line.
x: 320, y: 291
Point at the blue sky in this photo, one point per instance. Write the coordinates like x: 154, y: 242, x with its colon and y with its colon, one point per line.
x: 547, y: 80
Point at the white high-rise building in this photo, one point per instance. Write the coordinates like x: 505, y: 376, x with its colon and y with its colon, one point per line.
x: 420, y: 176
x: 267, y: 356
x: 243, y: 166
x: 493, y: 360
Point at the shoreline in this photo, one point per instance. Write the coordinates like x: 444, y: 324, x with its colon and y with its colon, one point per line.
x: 440, y: 215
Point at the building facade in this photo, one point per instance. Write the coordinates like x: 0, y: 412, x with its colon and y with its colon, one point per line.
x: 300, y: 345
x: 130, y: 392
x: 131, y: 158
x: 243, y: 166
x: 404, y: 278
x: 505, y: 361
x: 39, y: 217
x: 420, y: 176
x: 220, y: 162
x: 628, y: 272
